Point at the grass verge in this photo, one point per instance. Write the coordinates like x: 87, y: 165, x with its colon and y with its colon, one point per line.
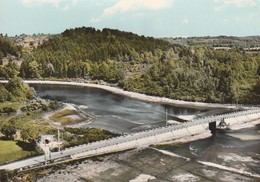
x: 10, y: 151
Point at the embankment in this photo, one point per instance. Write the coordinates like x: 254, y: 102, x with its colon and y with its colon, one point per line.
x: 135, y: 95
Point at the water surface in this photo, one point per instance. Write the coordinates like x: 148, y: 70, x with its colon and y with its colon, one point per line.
x: 113, y: 112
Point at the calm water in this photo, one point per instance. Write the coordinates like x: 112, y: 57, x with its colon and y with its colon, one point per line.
x: 113, y: 112
x: 122, y: 114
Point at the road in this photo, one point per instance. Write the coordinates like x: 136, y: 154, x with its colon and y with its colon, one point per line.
x: 35, y: 161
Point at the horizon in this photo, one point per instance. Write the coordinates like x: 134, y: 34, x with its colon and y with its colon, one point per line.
x: 151, y: 18
x: 178, y: 37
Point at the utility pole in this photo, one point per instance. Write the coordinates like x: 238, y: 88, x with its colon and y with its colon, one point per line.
x: 237, y: 105
x: 59, y: 138
x: 45, y: 155
x: 237, y: 96
x: 166, y: 117
x: 49, y: 153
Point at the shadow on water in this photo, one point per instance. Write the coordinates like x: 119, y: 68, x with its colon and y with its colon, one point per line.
x: 123, y: 110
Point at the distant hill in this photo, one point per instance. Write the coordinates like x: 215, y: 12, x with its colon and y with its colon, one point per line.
x: 99, y: 45
x: 30, y: 42
x: 218, y: 41
x: 66, y: 54
x: 188, y: 69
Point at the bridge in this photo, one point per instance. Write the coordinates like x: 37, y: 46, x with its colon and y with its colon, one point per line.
x: 140, y: 139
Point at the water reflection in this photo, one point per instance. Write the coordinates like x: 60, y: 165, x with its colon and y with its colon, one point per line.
x: 113, y: 112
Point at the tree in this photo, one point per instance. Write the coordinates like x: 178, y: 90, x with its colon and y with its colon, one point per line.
x: 258, y: 70
x: 8, y: 129
x: 49, y: 70
x: 94, y: 72
x: 30, y: 68
x: 7, y: 46
x: 19, y: 90
x: 30, y: 133
x: 87, y: 67
x: 4, y: 94
x: 256, y: 88
x: 33, y: 70
x: 75, y: 69
x: 104, y: 71
x: 10, y: 70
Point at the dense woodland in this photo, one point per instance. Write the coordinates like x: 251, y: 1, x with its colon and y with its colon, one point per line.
x: 8, y: 47
x: 145, y: 65
x: 15, y: 90
x: 219, y: 41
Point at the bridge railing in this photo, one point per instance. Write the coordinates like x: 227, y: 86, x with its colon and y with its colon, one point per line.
x: 161, y: 130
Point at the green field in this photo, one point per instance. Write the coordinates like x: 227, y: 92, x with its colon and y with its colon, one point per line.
x: 10, y: 151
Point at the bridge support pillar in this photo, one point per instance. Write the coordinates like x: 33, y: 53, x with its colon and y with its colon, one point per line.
x: 213, y: 127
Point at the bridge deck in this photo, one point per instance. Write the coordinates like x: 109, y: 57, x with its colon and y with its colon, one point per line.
x: 135, y: 140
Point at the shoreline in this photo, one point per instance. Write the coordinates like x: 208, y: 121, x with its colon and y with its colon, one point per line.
x: 75, y: 123
x: 187, y: 139
x: 138, y: 96
x: 248, y: 124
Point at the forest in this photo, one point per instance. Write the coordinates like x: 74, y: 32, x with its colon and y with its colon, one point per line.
x: 146, y: 65
x: 8, y: 47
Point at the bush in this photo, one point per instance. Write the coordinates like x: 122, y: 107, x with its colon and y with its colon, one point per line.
x: 7, y: 110
x: 80, y: 136
x: 54, y: 105
x: 6, y: 175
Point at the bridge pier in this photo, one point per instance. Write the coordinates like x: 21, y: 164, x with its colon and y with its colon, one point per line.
x: 213, y: 127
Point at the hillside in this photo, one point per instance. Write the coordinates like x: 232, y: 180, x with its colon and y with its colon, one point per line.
x: 30, y: 42
x: 218, y: 41
x: 86, y: 52
x: 8, y: 47
x: 153, y: 66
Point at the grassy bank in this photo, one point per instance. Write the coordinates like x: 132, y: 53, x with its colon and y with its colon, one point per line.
x: 14, y: 105
x: 64, y: 116
x: 13, y: 150
x: 6, y: 108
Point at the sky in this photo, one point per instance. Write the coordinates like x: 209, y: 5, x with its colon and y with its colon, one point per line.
x: 156, y: 18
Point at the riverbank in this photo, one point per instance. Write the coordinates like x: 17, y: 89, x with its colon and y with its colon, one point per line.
x: 138, y: 96
x: 67, y: 116
x: 249, y: 124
